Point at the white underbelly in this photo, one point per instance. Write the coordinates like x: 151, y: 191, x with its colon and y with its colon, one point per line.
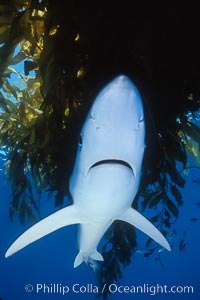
x: 106, y: 192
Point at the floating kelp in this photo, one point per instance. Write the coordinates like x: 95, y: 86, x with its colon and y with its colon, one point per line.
x: 68, y: 52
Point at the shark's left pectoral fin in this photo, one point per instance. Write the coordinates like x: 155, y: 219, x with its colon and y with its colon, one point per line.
x: 133, y: 217
x: 63, y: 217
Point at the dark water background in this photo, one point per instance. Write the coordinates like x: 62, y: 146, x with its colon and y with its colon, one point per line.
x: 50, y: 260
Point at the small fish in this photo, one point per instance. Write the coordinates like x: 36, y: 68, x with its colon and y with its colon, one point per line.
x: 182, y: 245
x: 142, y: 251
x: 197, y: 180
x: 194, y: 219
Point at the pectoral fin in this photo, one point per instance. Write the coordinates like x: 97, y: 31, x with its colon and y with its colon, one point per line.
x: 59, y: 219
x: 133, y: 217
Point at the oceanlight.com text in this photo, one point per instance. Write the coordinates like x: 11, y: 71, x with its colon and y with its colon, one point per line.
x: 76, y: 288
x: 151, y: 289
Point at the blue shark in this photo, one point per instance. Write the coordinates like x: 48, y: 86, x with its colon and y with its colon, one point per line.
x: 106, y: 174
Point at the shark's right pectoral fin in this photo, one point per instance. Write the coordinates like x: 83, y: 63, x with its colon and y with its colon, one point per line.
x: 133, y: 217
x: 63, y: 217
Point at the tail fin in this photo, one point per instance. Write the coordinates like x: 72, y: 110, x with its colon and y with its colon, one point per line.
x: 59, y: 219
x: 133, y: 217
x: 85, y: 256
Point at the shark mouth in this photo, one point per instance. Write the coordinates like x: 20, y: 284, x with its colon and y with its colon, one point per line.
x: 112, y: 162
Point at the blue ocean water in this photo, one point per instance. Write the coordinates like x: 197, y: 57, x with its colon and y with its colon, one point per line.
x: 44, y: 270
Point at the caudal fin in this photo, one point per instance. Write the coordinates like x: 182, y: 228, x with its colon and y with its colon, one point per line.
x: 133, y: 217
x: 59, y: 219
x: 85, y: 256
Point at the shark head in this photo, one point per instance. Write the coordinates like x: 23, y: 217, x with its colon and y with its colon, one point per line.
x: 113, y: 132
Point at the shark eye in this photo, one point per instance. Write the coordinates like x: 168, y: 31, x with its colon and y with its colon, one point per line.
x: 80, y: 140
x: 141, y: 119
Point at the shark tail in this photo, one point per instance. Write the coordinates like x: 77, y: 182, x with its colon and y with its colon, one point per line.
x: 83, y: 256
x: 59, y: 219
x: 133, y: 217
